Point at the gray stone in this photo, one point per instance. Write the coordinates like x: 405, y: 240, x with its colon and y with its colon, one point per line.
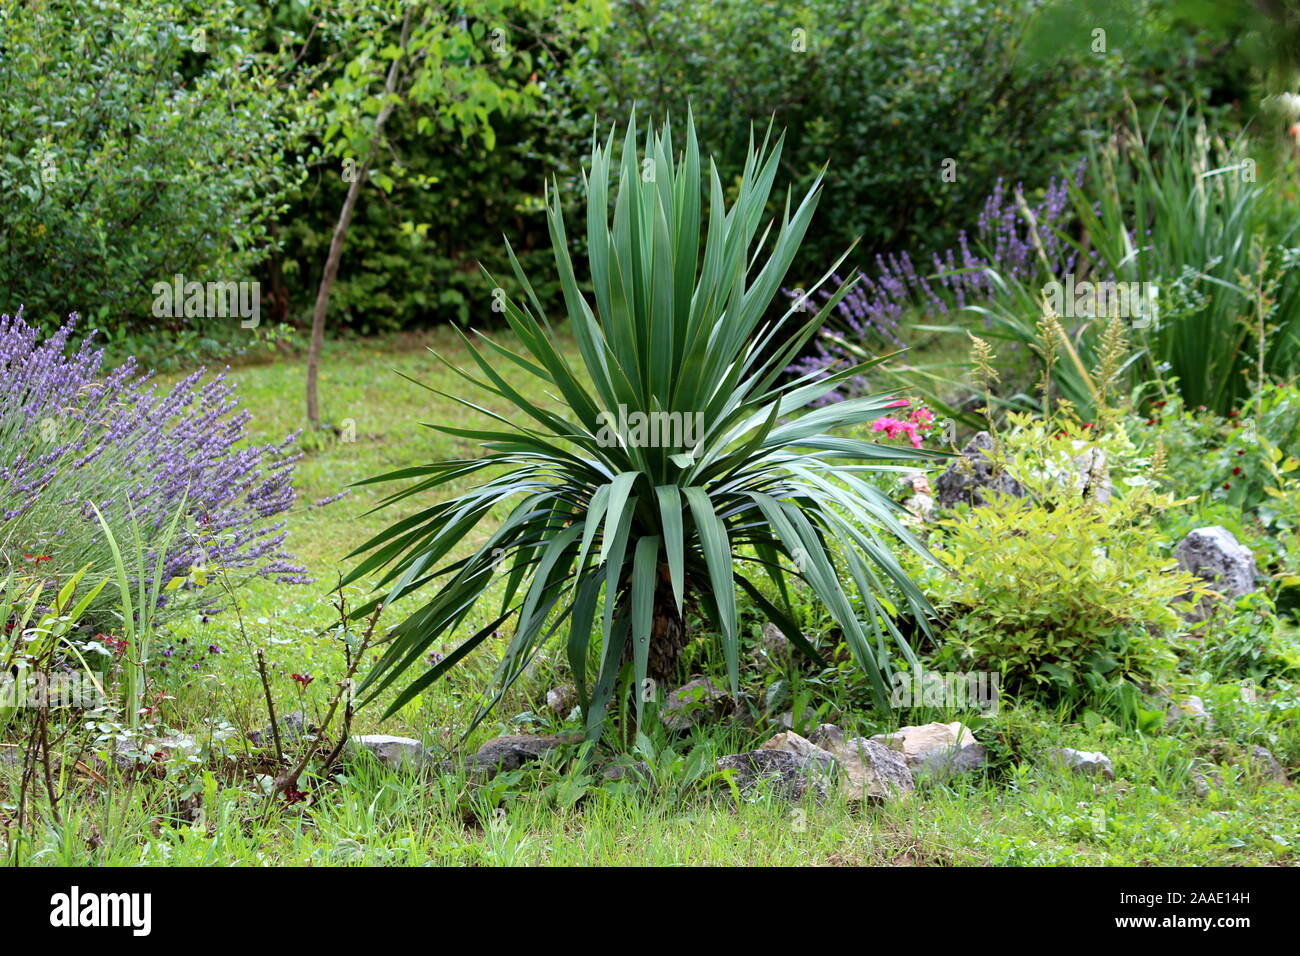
x: 1084, y: 762
x: 693, y: 703
x: 392, y: 752
x: 293, y: 728
x: 1266, y: 765
x: 1190, y: 709
x: 790, y: 775
x: 511, y: 753
x: 1215, y: 556
x: 872, y: 771
x: 937, y: 750
x: 972, y: 475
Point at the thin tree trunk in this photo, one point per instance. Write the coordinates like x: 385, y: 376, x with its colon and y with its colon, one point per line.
x: 341, y: 230
x: 667, y: 640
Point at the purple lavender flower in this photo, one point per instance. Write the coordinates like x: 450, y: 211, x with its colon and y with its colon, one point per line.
x: 72, y: 433
x: 869, y: 314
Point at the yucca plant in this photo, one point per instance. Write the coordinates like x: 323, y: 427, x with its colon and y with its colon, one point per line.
x: 681, y: 469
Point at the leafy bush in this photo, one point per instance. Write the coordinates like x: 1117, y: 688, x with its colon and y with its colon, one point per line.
x: 73, y: 438
x: 653, y: 521
x: 884, y: 92
x: 137, y: 141
x: 1065, y: 591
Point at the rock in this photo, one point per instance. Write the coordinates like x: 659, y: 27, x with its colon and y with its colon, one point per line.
x: 937, y: 750
x: 1215, y: 556
x: 1190, y: 708
x: 293, y: 727
x: 693, y: 703
x: 1266, y: 765
x: 10, y: 756
x: 872, y: 771
x: 1084, y: 762
x: 971, y: 475
x: 510, y: 753
x: 920, y: 501
x: 639, y: 771
x: 130, y: 753
x: 562, y: 699
x: 1203, y: 783
x: 1092, y: 478
x: 392, y: 752
x: 775, y: 643
x: 791, y: 773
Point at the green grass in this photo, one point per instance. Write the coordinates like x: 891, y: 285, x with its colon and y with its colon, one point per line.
x: 212, y: 812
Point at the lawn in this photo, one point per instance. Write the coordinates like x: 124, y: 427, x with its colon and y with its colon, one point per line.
x: 1020, y: 810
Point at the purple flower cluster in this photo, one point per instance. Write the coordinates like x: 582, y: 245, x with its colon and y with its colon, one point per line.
x: 72, y: 433
x: 869, y: 314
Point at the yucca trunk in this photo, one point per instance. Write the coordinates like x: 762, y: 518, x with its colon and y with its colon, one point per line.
x: 667, y: 639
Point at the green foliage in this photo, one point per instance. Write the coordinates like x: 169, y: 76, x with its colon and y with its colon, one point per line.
x: 1066, y: 591
x: 473, y: 130
x: 1246, y: 641
x: 884, y: 92
x: 675, y: 330
x: 137, y: 141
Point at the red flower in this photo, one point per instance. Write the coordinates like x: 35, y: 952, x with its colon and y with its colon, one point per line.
x: 1151, y: 421
x: 1237, y: 470
x: 38, y: 558
x: 1227, y: 485
x: 303, y: 679
x: 1241, y: 451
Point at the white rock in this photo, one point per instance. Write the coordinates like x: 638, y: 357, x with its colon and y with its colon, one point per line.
x: 937, y: 749
x: 1189, y: 708
x: 390, y: 751
x: 1084, y: 762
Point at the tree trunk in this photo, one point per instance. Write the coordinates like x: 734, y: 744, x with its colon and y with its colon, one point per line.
x: 667, y: 639
x: 341, y: 230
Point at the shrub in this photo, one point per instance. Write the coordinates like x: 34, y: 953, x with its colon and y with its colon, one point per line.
x: 883, y: 92
x: 137, y: 141
x: 72, y: 435
x: 1064, y: 591
x: 598, y: 506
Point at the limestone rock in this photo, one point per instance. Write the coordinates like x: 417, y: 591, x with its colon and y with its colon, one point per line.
x: 1084, y: 762
x: 972, y: 474
x: 1215, y: 556
x: 392, y: 752
x: 936, y: 749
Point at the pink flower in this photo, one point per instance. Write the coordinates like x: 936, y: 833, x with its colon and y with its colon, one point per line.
x: 893, y: 427
x: 901, y: 403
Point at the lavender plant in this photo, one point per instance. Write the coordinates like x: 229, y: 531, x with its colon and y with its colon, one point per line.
x: 1008, y: 243
x: 75, y: 437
